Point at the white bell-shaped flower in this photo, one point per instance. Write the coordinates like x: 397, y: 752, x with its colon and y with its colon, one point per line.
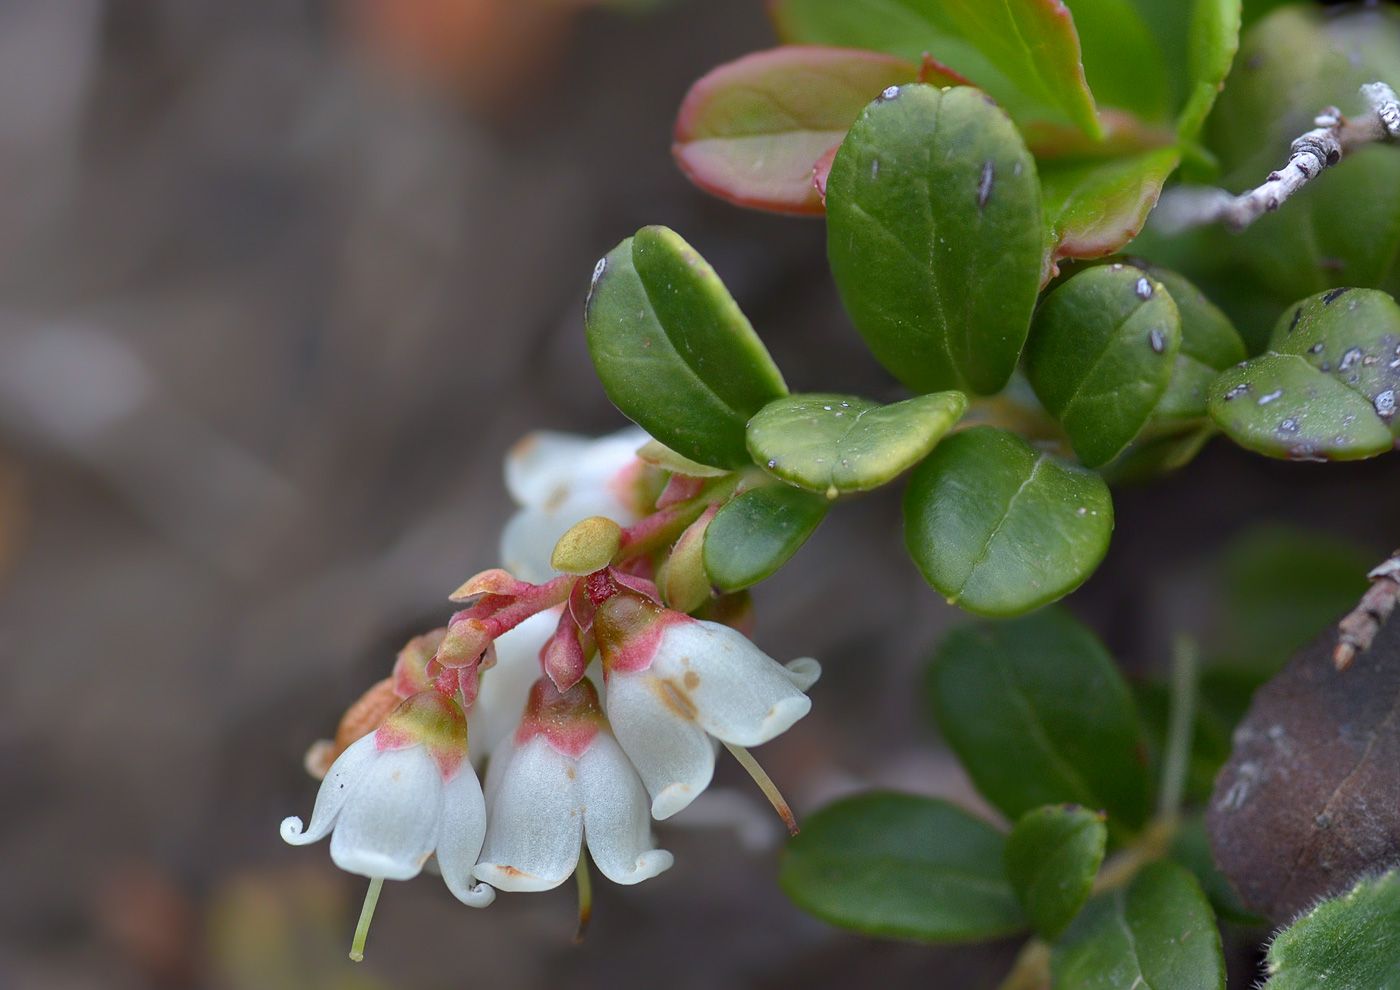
x: 677, y: 684
x: 400, y: 794
x: 561, y: 781
x: 559, y: 480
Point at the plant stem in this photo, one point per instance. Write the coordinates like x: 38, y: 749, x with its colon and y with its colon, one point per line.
x: 1185, y: 664
x: 766, y: 785
x: 1031, y: 971
x: 357, y: 947
x: 585, y: 895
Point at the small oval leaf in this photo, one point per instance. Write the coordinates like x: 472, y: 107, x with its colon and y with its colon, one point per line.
x: 673, y: 350
x: 1350, y: 943
x: 1101, y: 355
x: 1001, y: 528
x: 902, y: 866
x: 835, y: 444
x: 935, y: 238
x: 1327, y: 388
x: 1052, y: 856
x: 756, y: 532
x: 1095, y: 208
x: 1038, y: 714
x: 1156, y: 932
x: 752, y: 130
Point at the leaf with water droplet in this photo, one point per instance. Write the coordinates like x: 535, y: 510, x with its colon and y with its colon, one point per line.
x: 752, y: 130
x: 1052, y: 856
x: 1038, y: 714
x: 1101, y: 354
x: 756, y: 533
x: 1327, y: 386
x: 834, y: 444
x: 1094, y: 208
x: 935, y: 238
x: 1001, y: 528
x: 673, y: 350
x: 1307, y: 802
x: 1179, y: 426
x: 902, y: 866
x: 1349, y: 943
x: 1158, y: 932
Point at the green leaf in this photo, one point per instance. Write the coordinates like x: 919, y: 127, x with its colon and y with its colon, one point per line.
x: 755, y: 533
x: 1023, y: 52
x: 674, y: 352
x: 1001, y: 528
x: 1191, y: 848
x: 1122, y: 61
x: 834, y: 444
x: 1327, y: 387
x: 1101, y: 354
x: 902, y: 866
x: 1157, y: 932
x: 1052, y: 856
x: 1038, y: 714
x: 752, y: 130
x: 935, y: 238
x: 1349, y: 943
x: 1214, y: 39
x: 1094, y: 208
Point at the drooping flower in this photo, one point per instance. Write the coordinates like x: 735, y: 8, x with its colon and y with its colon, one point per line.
x: 559, y: 480
x: 676, y: 684
x: 402, y: 793
x: 559, y: 782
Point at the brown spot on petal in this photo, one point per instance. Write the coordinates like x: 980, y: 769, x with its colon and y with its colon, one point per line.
x: 569, y: 772
x: 692, y: 680
x: 675, y: 698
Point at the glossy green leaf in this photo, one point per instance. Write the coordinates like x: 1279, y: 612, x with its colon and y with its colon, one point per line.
x: 833, y: 444
x: 1038, y: 714
x: 1156, y: 932
x: 1328, y: 385
x: 751, y: 131
x: 1094, y: 208
x: 1001, y: 528
x: 1052, y: 856
x: 935, y: 238
x: 1349, y: 943
x: 755, y: 533
x: 903, y: 866
x: 1214, y: 39
x: 1101, y: 354
x: 674, y: 352
x: 1023, y: 52
x: 1179, y: 426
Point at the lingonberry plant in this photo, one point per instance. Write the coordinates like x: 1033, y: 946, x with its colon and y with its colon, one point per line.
x: 986, y: 169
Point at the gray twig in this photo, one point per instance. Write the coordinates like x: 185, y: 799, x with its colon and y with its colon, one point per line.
x: 1333, y: 136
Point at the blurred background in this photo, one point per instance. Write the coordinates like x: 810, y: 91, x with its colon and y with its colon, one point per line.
x: 280, y: 282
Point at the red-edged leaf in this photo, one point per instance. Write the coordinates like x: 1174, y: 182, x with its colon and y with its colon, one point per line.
x: 822, y: 170
x: 935, y: 73
x: 752, y: 130
x: 1095, y: 208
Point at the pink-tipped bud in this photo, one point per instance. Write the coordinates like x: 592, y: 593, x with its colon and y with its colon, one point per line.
x: 432, y: 720
x: 563, y: 657
x: 411, y: 666
x: 569, y: 720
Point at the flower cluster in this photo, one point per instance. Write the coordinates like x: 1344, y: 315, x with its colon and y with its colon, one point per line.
x: 601, y: 577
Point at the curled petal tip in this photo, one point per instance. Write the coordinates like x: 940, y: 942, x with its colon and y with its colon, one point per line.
x: 292, y: 831
x: 649, y: 864
x: 671, y: 799
x: 803, y: 672
x: 478, y: 895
